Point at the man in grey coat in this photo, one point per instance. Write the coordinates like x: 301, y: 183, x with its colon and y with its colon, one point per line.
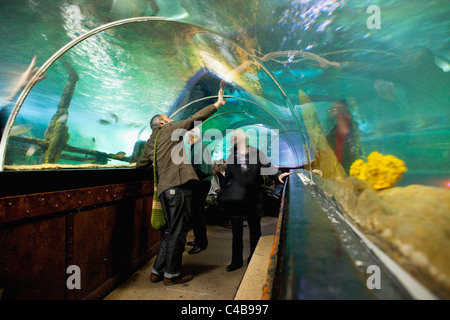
x: 174, y: 189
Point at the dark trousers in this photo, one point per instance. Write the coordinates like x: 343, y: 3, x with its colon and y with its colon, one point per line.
x: 200, y: 191
x: 176, y: 204
x: 254, y: 224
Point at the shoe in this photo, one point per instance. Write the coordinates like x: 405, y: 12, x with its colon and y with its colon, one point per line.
x: 182, y: 278
x: 196, y: 249
x: 191, y: 243
x: 233, y: 267
x: 154, y: 278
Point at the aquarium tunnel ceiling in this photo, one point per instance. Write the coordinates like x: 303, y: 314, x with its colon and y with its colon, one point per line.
x: 389, y: 66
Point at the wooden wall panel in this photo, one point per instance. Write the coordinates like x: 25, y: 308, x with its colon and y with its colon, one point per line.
x: 32, y: 259
x: 105, y: 230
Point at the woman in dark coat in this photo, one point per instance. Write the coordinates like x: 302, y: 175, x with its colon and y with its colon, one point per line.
x: 242, y: 193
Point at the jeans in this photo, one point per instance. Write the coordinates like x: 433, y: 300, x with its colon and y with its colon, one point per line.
x: 176, y: 204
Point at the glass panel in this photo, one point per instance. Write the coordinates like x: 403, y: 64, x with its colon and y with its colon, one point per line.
x: 111, y: 84
x: 392, y: 78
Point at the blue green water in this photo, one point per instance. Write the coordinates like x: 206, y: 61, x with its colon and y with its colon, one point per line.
x: 395, y: 80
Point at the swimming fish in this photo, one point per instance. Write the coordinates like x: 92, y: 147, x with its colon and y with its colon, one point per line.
x: 119, y: 155
x: 134, y: 125
x: 31, y: 150
x: 19, y: 129
x: 104, y: 122
x: 63, y: 118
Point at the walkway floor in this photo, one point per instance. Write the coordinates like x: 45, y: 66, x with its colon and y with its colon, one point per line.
x: 211, y: 280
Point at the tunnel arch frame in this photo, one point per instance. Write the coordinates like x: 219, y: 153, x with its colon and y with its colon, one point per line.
x: 44, y: 67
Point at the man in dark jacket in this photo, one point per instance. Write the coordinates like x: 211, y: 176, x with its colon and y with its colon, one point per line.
x: 202, y: 163
x: 174, y: 191
x: 243, y: 179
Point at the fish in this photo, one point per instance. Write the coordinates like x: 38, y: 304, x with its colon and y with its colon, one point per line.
x: 19, y: 129
x: 31, y: 150
x: 119, y: 155
x: 134, y: 125
x: 104, y: 122
x: 63, y: 118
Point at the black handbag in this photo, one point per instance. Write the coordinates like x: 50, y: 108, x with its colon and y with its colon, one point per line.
x: 233, y: 194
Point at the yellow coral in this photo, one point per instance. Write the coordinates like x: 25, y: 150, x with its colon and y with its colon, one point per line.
x: 359, y: 170
x: 380, y: 171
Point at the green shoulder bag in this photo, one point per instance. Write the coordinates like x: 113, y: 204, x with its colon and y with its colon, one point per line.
x: 157, y: 219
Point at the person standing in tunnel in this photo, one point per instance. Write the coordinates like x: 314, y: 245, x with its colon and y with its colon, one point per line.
x: 242, y: 193
x: 175, y: 180
x: 202, y: 163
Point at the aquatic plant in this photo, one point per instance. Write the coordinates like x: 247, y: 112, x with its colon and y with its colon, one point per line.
x: 380, y: 171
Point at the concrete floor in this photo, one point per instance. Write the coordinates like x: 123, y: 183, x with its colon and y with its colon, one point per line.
x: 211, y: 280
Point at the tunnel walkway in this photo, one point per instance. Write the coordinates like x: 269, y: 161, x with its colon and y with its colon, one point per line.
x: 211, y: 280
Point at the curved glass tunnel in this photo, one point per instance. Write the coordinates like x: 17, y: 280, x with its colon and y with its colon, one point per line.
x: 316, y: 84
x: 182, y: 66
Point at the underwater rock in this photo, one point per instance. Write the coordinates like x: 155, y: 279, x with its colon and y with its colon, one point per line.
x: 345, y: 192
x: 421, y: 230
x: 411, y: 224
